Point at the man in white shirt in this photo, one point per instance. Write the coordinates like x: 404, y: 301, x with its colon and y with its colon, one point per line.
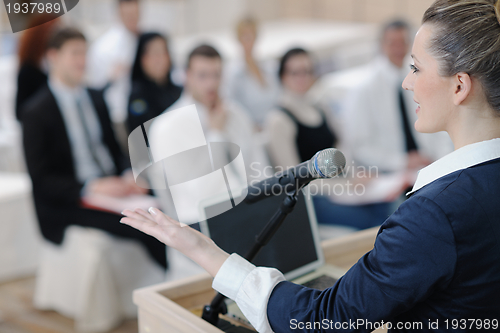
x: 380, y: 114
x: 111, y: 57
x: 221, y: 120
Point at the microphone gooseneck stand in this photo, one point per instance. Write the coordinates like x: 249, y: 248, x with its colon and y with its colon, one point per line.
x: 218, y: 306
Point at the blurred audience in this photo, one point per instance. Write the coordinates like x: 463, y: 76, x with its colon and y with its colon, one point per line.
x: 222, y: 120
x: 298, y: 128
x: 152, y: 88
x: 32, y: 67
x: 111, y: 57
x: 251, y: 83
x: 379, y: 133
x: 380, y: 115
x: 71, y: 150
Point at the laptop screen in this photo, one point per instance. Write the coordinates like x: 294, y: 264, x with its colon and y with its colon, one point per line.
x: 294, y: 249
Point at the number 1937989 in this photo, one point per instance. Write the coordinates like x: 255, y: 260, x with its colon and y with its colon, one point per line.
x: 34, y: 7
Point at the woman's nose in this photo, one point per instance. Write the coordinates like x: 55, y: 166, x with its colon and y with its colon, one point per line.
x: 408, y: 82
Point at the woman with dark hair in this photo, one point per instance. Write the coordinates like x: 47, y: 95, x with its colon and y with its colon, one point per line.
x: 32, y: 47
x: 435, y: 263
x: 152, y: 88
x: 298, y: 127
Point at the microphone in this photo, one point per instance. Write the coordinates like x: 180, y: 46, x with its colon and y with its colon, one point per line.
x: 326, y: 163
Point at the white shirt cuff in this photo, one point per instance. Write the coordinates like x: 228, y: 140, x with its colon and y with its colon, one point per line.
x: 231, y: 275
x: 250, y: 287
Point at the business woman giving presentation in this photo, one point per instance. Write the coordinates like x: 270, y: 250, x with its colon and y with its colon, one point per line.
x: 435, y: 265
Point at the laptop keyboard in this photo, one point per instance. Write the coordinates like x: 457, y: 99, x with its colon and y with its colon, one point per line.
x: 321, y: 282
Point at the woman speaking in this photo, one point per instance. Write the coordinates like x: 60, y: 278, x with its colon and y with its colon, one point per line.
x: 436, y: 260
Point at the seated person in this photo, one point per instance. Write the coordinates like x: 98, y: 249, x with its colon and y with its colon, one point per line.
x: 32, y: 46
x: 71, y: 150
x: 222, y: 120
x: 380, y: 114
x: 298, y: 128
x: 250, y: 82
x: 111, y: 56
x: 152, y: 89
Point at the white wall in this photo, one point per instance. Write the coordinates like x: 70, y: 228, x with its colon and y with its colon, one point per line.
x: 174, y: 17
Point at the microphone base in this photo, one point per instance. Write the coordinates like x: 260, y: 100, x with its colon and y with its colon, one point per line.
x: 211, y: 312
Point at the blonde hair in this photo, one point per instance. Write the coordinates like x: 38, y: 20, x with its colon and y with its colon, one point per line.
x: 467, y: 39
x: 247, y: 22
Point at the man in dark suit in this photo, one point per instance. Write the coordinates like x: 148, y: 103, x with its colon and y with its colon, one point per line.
x: 71, y: 150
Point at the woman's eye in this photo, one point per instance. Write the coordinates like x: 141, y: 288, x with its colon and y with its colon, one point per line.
x: 413, y: 68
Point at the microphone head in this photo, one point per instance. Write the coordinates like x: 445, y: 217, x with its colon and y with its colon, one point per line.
x: 327, y: 163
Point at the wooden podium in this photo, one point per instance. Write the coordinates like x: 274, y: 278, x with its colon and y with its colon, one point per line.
x: 169, y: 307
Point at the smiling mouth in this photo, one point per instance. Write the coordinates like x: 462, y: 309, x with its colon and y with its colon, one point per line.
x: 418, y: 106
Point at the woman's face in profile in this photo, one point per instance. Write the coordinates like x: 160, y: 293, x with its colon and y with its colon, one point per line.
x: 298, y: 75
x: 156, y: 61
x: 432, y: 92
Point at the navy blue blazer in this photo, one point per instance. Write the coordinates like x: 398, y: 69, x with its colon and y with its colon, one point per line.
x: 436, y: 261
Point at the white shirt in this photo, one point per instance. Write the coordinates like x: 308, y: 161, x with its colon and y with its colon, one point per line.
x: 374, y: 131
x: 116, y: 48
x: 238, y: 130
x: 85, y: 165
x: 250, y: 286
x: 243, y: 87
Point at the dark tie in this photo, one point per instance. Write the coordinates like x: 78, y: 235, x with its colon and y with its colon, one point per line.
x: 410, y: 140
x: 88, y: 140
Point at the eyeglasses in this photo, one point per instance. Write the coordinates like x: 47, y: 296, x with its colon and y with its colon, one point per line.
x: 300, y: 73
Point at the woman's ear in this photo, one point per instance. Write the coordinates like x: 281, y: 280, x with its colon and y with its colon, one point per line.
x: 462, y: 83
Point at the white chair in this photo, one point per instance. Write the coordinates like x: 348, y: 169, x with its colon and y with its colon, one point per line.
x: 91, y: 276
x: 19, y: 236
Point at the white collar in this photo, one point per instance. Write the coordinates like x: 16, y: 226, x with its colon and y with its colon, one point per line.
x: 61, y: 88
x: 188, y: 99
x: 463, y: 158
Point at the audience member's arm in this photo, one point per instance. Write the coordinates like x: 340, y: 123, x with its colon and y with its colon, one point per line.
x: 43, y: 169
x: 281, y: 132
x: 122, y: 163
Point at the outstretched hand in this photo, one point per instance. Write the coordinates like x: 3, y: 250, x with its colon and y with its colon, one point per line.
x: 187, y: 240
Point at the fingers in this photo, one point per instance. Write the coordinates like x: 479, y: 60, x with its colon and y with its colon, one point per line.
x: 162, y: 218
x: 147, y: 227
x: 133, y: 214
x: 145, y: 214
x: 152, y: 215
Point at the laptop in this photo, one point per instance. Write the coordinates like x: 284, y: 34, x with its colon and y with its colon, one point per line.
x: 295, y: 249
